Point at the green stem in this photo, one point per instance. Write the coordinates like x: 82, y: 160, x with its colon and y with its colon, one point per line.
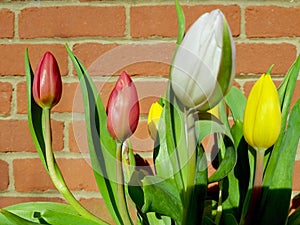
x: 188, y: 214
x: 257, y: 187
x: 56, y: 175
x: 120, y: 185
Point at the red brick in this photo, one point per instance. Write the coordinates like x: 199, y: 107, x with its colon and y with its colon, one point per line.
x: 7, y: 201
x: 77, y: 137
x: 257, y: 58
x: 78, y: 174
x: 149, y: 92
x: 7, y: 19
x: 140, y: 140
x: 72, y: 21
x: 272, y: 21
x: 136, y: 59
x: 15, y: 136
x: 65, y: 105
x: 90, y: 53
x: 4, y: 174
x: 12, y: 57
x: 5, y: 97
x: 249, y: 84
x: 296, y: 180
x: 30, y: 175
x: 97, y: 207
x: 149, y: 21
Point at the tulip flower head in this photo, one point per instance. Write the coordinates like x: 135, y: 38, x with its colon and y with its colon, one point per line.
x: 262, y: 118
x: 153, y: 119
x: 47, y: 83
x: 123, y: 109
x: 204, y: 65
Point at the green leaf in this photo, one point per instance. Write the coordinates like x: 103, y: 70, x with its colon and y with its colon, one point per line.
x: 236, y: 101
x: 14, y: 219
x: 161, y: 196
x: 48, y: 212
x: 62, y: 218
x: 277, y: 195
x: 180, y: 22
x: 208, y: 125
x: 235, y: 186
x: 169, y: 153
x: 229, y: 219
x: 29, y: 209
x: 286, y: 88
x: 34, y: 114
x: 101, y: 145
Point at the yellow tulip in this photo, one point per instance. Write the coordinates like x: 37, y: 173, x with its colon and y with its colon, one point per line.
x: 262, y: 118
x: 153, y: 119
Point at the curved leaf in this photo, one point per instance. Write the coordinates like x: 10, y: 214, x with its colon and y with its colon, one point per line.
x: 62, y: 218
x: 204, y: 127
x: 180, y: 22
x: 161, y: 196
x: 102, y: 147
x: 34, y: 114
x: 13, y: 219
x: 236, y: 101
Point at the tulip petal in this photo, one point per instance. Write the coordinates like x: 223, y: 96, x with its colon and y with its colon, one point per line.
x: 262, y: 119
x: 123, y: 109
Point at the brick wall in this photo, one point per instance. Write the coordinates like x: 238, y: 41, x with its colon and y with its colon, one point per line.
x: 110, y: 36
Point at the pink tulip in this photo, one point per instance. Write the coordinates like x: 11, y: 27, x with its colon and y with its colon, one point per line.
x: 123, y: 109
x: 47, y: 83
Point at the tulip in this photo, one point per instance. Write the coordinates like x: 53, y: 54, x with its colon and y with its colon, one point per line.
x: 153, y: 119
x: 47, y: 83
x: 262, y: 118
x: 204, y: 64
x: 123, y: 109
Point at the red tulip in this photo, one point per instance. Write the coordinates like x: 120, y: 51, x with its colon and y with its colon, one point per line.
x: 123, y: 109
x: 47, y: 84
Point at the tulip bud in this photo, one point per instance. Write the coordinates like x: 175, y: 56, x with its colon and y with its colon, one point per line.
x: 262, y: 118
x: 153, y: 119
x: 204, y: 64
x: 123, y: 109
x: 47, y: 83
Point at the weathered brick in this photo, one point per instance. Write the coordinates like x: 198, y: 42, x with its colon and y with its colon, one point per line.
x: 136, y: 59
x: 72, y: 21
x: 5, y: 97
x: 15, y: 136
x: 4, y: 174
x: 12, y: 57
x: 148, y: 21
x: 7, y: 19
x: 256, y: 58
x: 272, y: 21
x: 30, y: 175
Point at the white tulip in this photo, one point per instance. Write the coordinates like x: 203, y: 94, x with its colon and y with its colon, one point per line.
x: 203, y: 68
